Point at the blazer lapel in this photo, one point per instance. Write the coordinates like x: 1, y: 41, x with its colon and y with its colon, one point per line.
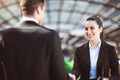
x: 87, y: 54
x: 101, y: 55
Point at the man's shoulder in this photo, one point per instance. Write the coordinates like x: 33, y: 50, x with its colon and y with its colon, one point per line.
x: 6, y: 30
x: 48, y: 29
x: 30, y: 25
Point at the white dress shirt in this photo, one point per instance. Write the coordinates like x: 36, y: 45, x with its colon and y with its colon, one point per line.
x: 94, y: 53
x: 28, y: 19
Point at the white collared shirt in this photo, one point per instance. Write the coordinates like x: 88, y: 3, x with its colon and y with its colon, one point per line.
x: 28, y: 19
x: 94, y: 52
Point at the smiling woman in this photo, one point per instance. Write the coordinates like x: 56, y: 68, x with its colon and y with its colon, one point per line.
x: 94, y: 59
x: 94, y: 28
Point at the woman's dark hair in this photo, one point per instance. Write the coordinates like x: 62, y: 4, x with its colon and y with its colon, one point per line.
x: 99, y: 22
x: 28, y: 6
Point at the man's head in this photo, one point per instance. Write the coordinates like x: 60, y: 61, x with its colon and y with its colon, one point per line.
x: 33, y: 8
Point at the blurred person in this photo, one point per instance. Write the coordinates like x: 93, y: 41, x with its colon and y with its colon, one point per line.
x: 68, y: 60
x: 29, y: 51
x: 96, y: 59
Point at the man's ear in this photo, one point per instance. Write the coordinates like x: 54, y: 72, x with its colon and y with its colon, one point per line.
x: 38, y: 9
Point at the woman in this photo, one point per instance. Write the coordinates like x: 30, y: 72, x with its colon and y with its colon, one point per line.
x: 95, y: 58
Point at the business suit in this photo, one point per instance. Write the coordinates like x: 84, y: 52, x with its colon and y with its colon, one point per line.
x: 107, y: 59
x: 32, y: 52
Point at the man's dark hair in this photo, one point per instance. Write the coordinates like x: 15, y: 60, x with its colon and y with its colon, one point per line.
x: 28, y: 6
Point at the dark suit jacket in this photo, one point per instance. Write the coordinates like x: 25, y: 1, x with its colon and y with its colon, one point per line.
x: 31, y: 52
x: 107, y: 60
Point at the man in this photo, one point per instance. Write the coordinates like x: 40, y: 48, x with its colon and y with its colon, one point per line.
x: 30, y: 51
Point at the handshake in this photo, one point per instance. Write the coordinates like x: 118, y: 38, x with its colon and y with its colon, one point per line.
x: 72, y: 76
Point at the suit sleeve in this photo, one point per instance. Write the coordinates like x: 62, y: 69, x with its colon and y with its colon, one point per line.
x: 1, y: 47
x: 1, y: 58
x: 57, y: 70
x: 114, y: 62
x: 76, y: 67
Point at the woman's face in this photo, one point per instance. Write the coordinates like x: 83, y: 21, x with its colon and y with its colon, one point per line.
x: 92, y: 30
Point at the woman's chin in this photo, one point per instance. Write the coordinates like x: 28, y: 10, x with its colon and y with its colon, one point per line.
x: 91, y: 39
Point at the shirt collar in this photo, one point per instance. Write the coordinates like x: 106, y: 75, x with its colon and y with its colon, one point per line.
x: 99, y: 44
x: 28, y: 19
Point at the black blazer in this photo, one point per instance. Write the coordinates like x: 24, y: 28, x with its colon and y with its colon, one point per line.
x: 31, y: 52
x: 107, y: 60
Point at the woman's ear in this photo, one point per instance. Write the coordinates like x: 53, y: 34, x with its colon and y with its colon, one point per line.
x: 101, y: 29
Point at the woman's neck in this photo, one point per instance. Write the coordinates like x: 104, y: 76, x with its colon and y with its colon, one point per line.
x: 95, y: 43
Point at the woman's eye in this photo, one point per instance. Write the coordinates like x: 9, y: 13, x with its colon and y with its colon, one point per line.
x: 86, y: 28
